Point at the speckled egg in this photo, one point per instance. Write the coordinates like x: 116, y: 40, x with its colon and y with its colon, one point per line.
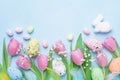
x: 115, y: 65
x: 4, y: 76
x: 33, y: 48
x: 14, y: 73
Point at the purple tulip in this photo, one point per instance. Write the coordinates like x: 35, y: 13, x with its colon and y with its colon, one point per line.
x: 59, y: 48
x: 77, y: 57
x: 110, y: 43
x: 102, y: 59
x: 23, y: 62
x: 42, y: 61
x: 14, y: 47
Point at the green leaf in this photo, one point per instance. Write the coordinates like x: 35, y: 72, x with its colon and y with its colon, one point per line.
x: 87, y: 61
x: 49, y: 72
x: 79, y: 42
x: 118, y: 48
x: 5, y: 57
x: 0, y: 68
x: 35, y: 69
x: 64, y: 60
x: 114, y: 54
x: 56, y: 77
x: 23, y: 74
x: 71, y: 62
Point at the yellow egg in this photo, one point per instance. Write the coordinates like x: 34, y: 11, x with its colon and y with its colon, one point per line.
x: 33, y: 48
x: 4, y: 76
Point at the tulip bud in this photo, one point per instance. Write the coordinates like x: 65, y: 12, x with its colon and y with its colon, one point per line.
x: 42, y: 61
x: 110, y: 43
x: 14, y: 47
x: 59, y: 48
x: 23, y: 62
x: 102, y: 59
x: 77, y: 57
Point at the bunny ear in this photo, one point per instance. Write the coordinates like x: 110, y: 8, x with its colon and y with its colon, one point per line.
x: 111, y: 76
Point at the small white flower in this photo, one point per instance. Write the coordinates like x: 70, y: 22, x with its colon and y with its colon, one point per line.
x: 70, y: 37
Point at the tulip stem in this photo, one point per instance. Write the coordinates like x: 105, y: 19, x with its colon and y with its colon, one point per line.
x: 32, y: 70
x: 104, y: 73
x: 83, y: 72
x: 114, y: 54
x: 42, y: 75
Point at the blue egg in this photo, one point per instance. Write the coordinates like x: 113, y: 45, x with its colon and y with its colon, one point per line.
x: 14, y: 73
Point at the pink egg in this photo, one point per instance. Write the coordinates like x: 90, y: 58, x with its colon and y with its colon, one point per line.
x: 26, y: 37
x: 18, y: 30
x: 9, y: 33
x: 86, y: 31
x: 45, y: 44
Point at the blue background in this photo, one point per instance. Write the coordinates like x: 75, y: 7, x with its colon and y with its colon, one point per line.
x: 54, y: 19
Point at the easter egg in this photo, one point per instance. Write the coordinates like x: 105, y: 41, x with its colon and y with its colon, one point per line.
x: 59, y: 67
x: 4, y: 76
x: 14, y: 73
x: 97, y: 74
x: 115, y: 65
x: 33, y: 48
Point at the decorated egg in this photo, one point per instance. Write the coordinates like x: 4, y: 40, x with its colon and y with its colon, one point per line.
x: 115, y: 65
x: 97, y: 74
x: 14, y: 73
x: 4, y: 76
x: 30, y: 29
x: 93, y: 44
x: 58, y: 66
x: 18, y: 30
x: 33, y: 48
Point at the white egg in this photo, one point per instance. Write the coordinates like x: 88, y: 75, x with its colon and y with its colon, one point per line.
x: 9, y: 33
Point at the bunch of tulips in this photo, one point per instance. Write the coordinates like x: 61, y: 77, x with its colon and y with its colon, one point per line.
x: 80, y: 57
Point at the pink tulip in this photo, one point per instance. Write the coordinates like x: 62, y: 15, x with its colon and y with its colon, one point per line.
x: 59, y: 48
x: 14, y: 47
x: 23, y: 62
x: 110, y: 43
x: 102, y: 59
x: 77, y: 57
x: 42, y: 61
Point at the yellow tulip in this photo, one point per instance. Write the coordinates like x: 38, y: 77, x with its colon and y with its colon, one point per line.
x: 4, y: 76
